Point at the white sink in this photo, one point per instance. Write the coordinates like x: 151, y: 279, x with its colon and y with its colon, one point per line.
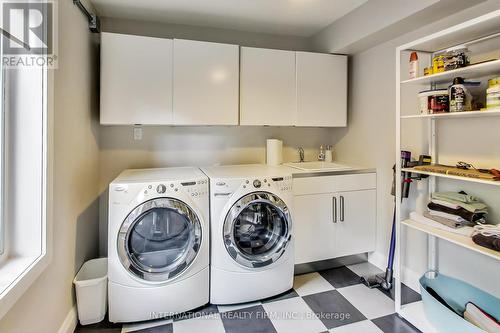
x: 318, y: 166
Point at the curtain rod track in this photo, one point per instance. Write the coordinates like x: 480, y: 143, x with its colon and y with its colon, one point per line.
x: 94, y: 22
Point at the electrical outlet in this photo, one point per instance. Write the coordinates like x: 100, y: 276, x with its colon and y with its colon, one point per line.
x: 137, y: 133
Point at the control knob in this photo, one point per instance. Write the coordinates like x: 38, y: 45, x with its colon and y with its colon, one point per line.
x: 161, y: 189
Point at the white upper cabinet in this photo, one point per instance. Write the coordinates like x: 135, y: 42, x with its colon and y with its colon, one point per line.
x: 206, y: 83
x: 267, y: 87
x: 158, y: 81
x: 321, y: 90
x: 136, y: 80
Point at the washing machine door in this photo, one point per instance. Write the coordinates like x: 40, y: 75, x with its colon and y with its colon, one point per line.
x: 159, y: 239
x: 257, y: 229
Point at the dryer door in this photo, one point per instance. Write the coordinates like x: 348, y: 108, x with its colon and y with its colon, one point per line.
x: 257, y: 229
x: 159, y: 239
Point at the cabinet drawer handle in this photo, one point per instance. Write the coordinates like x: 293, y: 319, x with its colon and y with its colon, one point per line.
x: 334, y: 209
x: 342, y: 208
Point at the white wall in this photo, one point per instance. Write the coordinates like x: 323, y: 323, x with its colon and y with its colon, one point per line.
x: 47, y: 302
x: 166, y: 30
x: 370, y: 139
x: 164, y: 146
x: 383, y: 20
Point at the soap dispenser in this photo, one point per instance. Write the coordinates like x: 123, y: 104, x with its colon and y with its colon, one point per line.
x: 329, y: 154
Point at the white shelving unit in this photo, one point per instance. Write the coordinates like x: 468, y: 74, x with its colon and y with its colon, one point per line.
x: 464, y: 179
x: 454, y: 238
x: 467, y: 114
x: 472, y: 71
x: 474, y: 31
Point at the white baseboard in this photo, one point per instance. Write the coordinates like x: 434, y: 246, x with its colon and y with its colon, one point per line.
x: 378, y: 259
x: 410, y: 278
x: 70, y: 322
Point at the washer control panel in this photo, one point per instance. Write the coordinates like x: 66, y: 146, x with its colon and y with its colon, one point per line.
x: 198, y: 188
x: 160, y: 189
x: 282, y: 183
x: 194, y: 188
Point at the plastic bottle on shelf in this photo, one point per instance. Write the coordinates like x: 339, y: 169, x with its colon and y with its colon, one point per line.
x: 460, y: 97
x: 413, y: 65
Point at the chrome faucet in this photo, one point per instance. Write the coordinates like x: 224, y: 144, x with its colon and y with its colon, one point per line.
x: 321, y: 156
x: 301, y: 154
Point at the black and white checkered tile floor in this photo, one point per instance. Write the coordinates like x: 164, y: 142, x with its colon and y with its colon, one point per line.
x: 333, y: 300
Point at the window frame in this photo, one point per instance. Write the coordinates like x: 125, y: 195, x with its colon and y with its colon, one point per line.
x: 24, y: 271
x: 2, y: 154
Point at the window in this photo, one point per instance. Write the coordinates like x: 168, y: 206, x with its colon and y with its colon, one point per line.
x: 24, y: 175
x: 2, y: 149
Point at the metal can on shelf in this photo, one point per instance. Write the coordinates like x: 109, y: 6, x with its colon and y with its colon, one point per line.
x: 493, y: 82
x: 493, y: 97
x: 434, y: 101
x: 438, y: 64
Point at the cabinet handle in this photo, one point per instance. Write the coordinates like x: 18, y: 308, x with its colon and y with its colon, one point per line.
x: 334, y: 209
x: 341, y: 208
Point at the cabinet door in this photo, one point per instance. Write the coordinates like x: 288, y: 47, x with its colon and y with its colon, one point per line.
x: 267, y: 87
x: 321, y: 90
x: 206, y: 83
x: 136, y: 80
x: 314, y: 227
x: 356, y: 225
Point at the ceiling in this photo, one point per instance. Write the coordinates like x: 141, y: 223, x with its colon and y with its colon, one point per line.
x: 286, y: 17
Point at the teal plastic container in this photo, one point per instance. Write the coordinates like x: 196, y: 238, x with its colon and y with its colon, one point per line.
x: 457, y: 294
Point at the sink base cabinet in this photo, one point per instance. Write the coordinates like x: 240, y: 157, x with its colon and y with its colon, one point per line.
x: 333, y: 224
x: 356, y: 227
x: 314, y: 229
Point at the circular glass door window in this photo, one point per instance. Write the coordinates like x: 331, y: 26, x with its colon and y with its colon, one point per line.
x: 159, y: 239
x: 257, y: 229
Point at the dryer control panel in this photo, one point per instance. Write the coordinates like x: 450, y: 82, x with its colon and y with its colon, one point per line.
x: 126, y: 193
x: 193, y: 188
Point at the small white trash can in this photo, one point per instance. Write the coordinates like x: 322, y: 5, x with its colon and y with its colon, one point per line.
x: 91, y: 284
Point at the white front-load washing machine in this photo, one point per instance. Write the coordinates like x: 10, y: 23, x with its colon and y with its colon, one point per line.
x: 252, y: 255
x: 158, y: 243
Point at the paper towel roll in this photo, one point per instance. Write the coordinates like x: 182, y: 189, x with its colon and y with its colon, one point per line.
x: 274, y: 152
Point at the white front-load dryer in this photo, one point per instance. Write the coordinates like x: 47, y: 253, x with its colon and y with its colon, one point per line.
x: 252, y: 255
x: 158, y: 243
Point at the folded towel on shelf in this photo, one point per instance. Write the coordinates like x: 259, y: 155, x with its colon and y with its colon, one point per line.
x: 464, y: 231
x: 448, y: 216
x: 460, y: 212
x: 455, y: 196
x: 488, y: 236
x: 473, y: 208
x: 460, y: 199
x: 491, y: 242
x: 447, y: 222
